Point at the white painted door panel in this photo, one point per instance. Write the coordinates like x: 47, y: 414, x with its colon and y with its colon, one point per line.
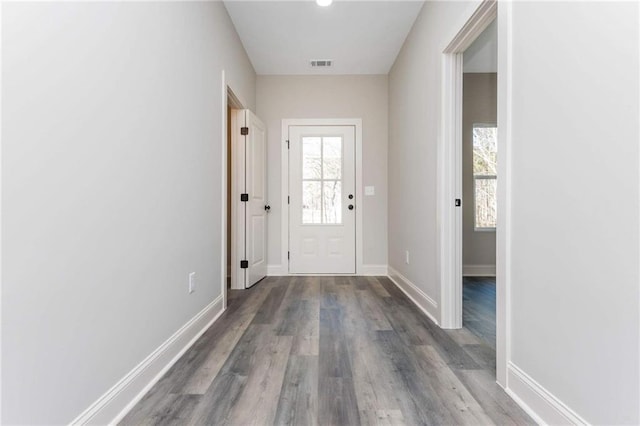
x: 256, y: 188
x: 322, y: 200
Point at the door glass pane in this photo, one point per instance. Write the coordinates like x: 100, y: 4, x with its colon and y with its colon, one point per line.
x: 311, y: 202
x: 321, y: 180
x: 332, y: 197
x: 311, y: 158
x: 485, y: 192
x: 332, y: 157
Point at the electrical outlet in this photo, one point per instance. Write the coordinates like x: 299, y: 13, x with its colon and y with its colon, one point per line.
x: 406, y: 257
x: 192, y: 282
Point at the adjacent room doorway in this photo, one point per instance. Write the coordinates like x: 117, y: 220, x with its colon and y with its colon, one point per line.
x: 450, y: 176
x: 479, y: 185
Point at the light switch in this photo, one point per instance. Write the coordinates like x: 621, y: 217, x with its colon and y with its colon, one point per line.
x: 369, y: 190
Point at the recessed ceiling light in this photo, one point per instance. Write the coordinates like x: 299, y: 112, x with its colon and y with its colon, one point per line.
x: 324, y: 3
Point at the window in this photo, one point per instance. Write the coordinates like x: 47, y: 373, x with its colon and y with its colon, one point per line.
x: 322, y: 180
x: 485, y: 154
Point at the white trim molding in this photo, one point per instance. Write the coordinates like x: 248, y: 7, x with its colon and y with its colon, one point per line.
x: 1, y: 399
x: 450, y: 190
x: 503, y: 229
x: 111, y: 407
x: 478, y: 270
x: 276, y: 271
x: 417, y: 296
x: 367, y: 270
x: 284, y: 155
x: 470, y: 30
x: 375, y: 270
x: 225, y: 271
x: 538, y: 402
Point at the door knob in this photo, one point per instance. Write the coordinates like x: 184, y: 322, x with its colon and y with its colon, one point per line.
x: 350, y: 206
x: 267, y: 208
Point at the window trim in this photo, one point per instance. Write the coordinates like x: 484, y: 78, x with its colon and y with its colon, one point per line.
x: 477, y: 228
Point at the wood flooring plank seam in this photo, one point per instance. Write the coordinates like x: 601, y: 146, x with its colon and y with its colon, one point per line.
x: 333, y: 350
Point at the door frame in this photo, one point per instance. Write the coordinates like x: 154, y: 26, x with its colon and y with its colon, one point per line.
x: 284, y: 166
x: 238, y: 228
x: 450, y: 163
x: 450, y: 176
x: 228, y: 99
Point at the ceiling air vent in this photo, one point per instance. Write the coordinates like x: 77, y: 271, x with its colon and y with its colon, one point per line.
x: 321, y: 63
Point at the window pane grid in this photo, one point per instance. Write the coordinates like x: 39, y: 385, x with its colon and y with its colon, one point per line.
x: 322, y: 183
x: 485, y: 203
x: 485, y: 175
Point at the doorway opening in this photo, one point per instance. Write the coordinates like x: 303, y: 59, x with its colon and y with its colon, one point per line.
x: 230, y: 221
x: 231, y: 104
x: 479, y: 185
x: 450, y: 177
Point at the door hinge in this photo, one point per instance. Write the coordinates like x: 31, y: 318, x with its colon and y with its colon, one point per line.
x: 287, y: 144
x: 288, y: 199
x: 458, y: 202
x: 244, y: 131
x: 288, y: 255
x: 244, y: 264
x: 244, y: 197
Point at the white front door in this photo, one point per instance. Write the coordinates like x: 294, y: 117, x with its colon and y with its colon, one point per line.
x: 322, y: 218
x: 255, y: 208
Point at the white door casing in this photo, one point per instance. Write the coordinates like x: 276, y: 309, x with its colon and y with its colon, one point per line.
x: 323, y: 199
x: 250, y: 173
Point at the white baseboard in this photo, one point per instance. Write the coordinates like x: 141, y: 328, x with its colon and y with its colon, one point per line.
x: 539, y: 403
x: 276, y: 271
x: 369, y: 270
x: 479, y: 270
x: 111, y: 407
x: 420, y: 298
x: 375, y: 270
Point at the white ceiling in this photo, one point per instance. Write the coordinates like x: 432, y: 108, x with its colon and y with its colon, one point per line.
x: 361, y: 37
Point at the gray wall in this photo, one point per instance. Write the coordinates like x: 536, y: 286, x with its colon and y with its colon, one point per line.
x: 478, y: 106
x: 414, y: 120
x: 111, y: 134
x: 353, y: 96
x: 575, y: 215
x: 575, y: 204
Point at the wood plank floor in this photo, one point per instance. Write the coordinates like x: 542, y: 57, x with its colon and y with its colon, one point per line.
x: 329, y: 351
x: 479, y: 308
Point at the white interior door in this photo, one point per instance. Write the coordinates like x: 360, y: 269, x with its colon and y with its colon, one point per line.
x: 322, y: 218
x: 255, y: 207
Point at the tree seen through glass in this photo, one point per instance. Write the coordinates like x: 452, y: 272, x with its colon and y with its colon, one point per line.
x: 485, y: 157
x: 322, y: 180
